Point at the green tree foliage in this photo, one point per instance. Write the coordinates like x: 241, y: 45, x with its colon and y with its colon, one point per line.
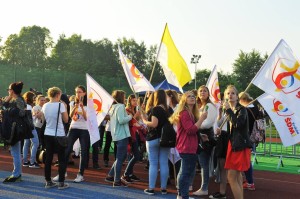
x: 245, y: 68
x: 28, y: 48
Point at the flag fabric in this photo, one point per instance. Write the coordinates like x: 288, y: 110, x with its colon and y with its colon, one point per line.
x: 175, y: 69
x: 136, y: 79
x: 285, y: 120
x: 280, y: 76
x: 213, y: 87
x: 98, y: 105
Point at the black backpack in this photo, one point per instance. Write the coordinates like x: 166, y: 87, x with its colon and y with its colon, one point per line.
x: 168, y: 136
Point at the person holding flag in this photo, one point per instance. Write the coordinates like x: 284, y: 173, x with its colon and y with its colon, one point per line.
x: 119, y: 125
x: 188, y: 121
x: 78, y: 130
x: 238, y: 152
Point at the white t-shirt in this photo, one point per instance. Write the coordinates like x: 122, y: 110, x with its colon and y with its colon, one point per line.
x: 50, y: 111
x: 80, y: 122
x: 36, y: 121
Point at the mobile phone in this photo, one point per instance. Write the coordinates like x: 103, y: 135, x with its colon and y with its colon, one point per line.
x: 81, y: 99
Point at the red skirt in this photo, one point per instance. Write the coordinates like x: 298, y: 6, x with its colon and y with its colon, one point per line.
x: 238, y: 160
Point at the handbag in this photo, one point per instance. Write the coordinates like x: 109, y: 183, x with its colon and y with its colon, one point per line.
x: 61, y: 140
x: 168, y: 136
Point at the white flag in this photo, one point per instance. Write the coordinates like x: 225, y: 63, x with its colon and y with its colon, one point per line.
x: 213, y: 87
x: 285, y: 120
x: 280, y: 76
x: 98, y: 105
x: 136, y: 79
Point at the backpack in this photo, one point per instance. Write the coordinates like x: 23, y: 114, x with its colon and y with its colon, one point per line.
x: 259, y: 129
x: 168, y: 136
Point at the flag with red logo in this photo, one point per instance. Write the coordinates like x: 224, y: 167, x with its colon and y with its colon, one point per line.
x: 213, y: 87
x: 280, y: 76
x: 285, y: 120
x: 136, y: 79
x: 98, y: 105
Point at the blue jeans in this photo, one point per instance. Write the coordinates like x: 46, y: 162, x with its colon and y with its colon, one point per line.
x: 15, y: 152
x: 157, y: 156
x: 204, y: 163
x: 188, y: 164
x: 249, y: 174
x: 35, y: 145
x: 134, y: 159
x: 84, y: 139
x: 120, y: 158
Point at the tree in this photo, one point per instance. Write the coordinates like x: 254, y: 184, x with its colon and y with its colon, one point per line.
x: 28, y: 48
x: 245, y: 68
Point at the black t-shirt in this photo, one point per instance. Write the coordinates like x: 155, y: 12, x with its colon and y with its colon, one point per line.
x: 161, y: 115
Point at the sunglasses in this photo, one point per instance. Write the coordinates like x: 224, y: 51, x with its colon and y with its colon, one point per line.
x: 8, y: 89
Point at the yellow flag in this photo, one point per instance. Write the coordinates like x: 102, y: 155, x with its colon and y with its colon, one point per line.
x: 174, y: 66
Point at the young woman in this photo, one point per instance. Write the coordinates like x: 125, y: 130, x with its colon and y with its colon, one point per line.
x: 78, y: 130
x: 253, y: 114
x: 207, y: 137
x: 220, y: 153
x: 54, y: 125
x: 28, y: 97
x: 15, y: 106
x: 120, y: 133
x: 238, y: 152
x: 187, y: 119
x: 134, y: 127
x: 38, y: 120
x: 157, y: 155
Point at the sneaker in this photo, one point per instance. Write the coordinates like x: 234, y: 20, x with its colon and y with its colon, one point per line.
x: 62, y: 185
x: 56, y: 178
x: 79, y: 178
x: 217, y: 195
x: 200, y: 193
x: 179, y: 197
x: 13, y: 179
x: 126, y: 179
x: 96, y: 166
x: 248, y: 186
x: 163, y: 191
x: 26, y: 164
x: 119, y: 184
x: 149, y: 191
x: 34, y: 165
x: 134, y: 178
x: 109, y: 179
x: 50, y: 184
x: 106, y: 163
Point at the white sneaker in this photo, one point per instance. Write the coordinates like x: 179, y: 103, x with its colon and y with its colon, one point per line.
x: 179, y: 197
x: 56, y: 178
x: 200, y: 193
x: 79, y: 178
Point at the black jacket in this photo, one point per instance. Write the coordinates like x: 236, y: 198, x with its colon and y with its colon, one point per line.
x: 239, y: 127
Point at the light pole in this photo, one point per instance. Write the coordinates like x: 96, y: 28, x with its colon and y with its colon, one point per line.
x: 195, y: 60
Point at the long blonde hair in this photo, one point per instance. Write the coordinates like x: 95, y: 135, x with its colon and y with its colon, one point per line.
x: 174, y: 119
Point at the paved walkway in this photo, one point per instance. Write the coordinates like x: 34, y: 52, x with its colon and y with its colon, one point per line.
x: 32, y: 187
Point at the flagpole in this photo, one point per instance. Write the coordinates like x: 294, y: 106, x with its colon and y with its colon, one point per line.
x: 152, y: 72
x: 157, y: 54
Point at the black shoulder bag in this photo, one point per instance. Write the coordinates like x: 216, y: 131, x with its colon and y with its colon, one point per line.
x: 61, y: 140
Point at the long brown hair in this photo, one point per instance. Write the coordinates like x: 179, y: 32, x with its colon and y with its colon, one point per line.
x: 198, y: 98
x: 160, y: 99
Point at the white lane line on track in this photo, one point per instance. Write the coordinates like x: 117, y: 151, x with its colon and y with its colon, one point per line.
x: 278, y: 181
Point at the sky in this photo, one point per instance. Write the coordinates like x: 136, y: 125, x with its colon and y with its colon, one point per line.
x: 215, y: 29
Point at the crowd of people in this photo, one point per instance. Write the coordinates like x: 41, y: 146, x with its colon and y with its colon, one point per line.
x: 213, y: 137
